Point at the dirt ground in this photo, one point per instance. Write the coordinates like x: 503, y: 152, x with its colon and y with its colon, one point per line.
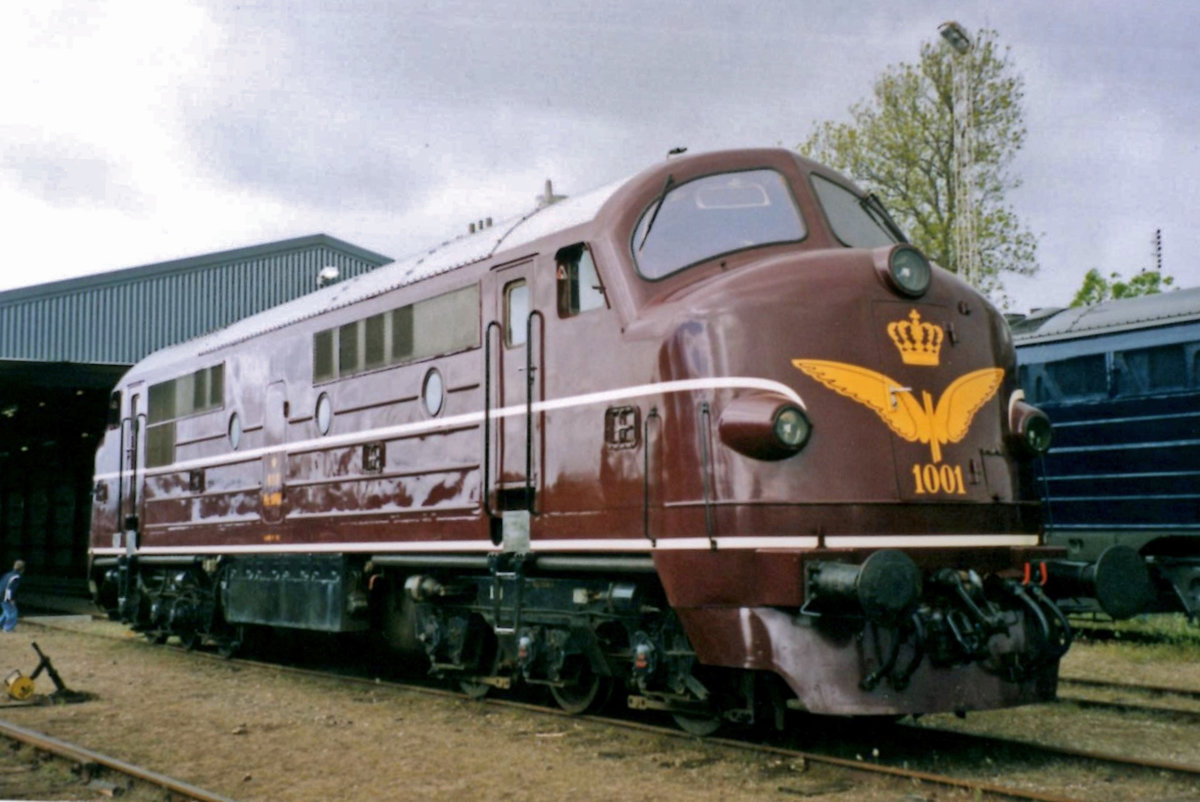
x: 256, y: 734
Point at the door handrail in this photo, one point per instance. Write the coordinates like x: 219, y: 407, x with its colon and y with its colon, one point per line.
x: 529, y: 385
x: 487, y: 415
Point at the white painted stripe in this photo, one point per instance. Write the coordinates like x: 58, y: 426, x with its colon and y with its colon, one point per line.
x: 592, y: 545
x: 476, y: 418
x: 674, y: 544
x: 927, y: 541
x: 429, y: 546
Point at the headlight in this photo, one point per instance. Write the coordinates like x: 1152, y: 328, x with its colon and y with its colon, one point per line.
x: 909, y: 271
x: 766, y: 426
x: 792, y: 428
x: 1029, y: 426
x: 1037, y: 435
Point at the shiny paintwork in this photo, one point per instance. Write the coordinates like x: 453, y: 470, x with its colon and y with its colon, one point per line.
x: 729, y: 534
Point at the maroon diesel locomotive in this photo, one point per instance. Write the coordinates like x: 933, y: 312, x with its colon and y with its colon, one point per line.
x: 715, y: 436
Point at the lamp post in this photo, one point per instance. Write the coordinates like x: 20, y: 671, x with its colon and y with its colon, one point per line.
x: 966, y: 250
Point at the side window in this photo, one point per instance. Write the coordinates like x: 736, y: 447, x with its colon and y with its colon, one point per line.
x: 579, y: 288
x: 1080, y: 377
x: 348, y: 349
x: 114, y: 409
x: 201, y: 391
x: 516, y: 312
x: 434, y: 326
x: 1161, y: 368
x: 323, y: 368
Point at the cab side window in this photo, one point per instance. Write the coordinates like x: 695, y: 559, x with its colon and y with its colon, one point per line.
x: 516, y: 313
x: 579, y: 287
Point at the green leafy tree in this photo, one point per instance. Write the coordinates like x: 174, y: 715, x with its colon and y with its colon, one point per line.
x: 1097, y: 288
x: 900, y: 145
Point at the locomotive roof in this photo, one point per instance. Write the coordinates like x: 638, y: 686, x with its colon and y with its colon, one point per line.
x: 450, y: 255
x: 504, y: 236
x: 1126, y: 314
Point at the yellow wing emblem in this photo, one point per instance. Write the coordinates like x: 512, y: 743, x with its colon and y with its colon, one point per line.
x: 915, y: 421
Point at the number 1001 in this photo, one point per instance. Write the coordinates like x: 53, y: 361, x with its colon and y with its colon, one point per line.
x: 939, y: 479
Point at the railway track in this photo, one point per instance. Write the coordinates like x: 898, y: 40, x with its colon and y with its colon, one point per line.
x: 88, y: 760
x: 919, y: 740
x: 978, y: 789
x: 1181, y: 704
x: 1087, y: 630
x: 847, y: 754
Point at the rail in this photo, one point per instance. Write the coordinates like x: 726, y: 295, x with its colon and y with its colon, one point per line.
x: 80, y: 754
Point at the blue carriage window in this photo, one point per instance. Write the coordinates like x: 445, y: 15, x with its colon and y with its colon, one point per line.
x: 1161, y: 368
x: 1080, y: 377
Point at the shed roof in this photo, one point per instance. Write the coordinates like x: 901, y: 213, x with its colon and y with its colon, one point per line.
x: 508, y: 235
x: 119, y: 316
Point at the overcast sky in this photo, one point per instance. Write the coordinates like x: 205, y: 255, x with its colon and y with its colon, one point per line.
x: 136, y: 132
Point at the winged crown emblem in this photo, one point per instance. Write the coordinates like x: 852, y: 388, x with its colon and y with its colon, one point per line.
x: 937, y: 424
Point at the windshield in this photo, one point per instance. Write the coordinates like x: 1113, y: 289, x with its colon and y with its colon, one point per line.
x: 714, y: 215
x: 857, y: 221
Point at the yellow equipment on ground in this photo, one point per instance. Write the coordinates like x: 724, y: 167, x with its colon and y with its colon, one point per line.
x: 20, y: 687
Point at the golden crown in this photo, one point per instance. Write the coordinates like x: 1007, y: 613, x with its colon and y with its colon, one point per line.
x: 919, y: 343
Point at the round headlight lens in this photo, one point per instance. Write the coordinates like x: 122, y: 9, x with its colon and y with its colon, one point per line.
x: 792, y: 428
x: 1037, y: 434
x: 909, y: 271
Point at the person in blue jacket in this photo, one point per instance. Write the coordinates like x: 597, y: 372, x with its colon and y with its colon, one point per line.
x: 8, y: 596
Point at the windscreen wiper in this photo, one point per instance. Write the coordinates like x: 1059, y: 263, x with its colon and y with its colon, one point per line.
x: 662, y: 196
x: 874, y: 207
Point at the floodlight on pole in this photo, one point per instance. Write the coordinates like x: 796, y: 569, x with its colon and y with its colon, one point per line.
x: 956, y: 36
x: 965, y: 246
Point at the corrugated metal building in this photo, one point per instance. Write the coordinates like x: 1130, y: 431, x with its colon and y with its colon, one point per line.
x: 63, y: 345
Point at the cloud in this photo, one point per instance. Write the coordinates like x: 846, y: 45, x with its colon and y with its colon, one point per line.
x: 163, y: 129
x: 69, y: 174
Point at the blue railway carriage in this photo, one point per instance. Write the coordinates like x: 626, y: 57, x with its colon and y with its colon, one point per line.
x: 1121, y: 384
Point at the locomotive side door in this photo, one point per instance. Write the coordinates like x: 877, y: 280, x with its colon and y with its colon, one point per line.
x: 274, y: 461
x: 518, y: 363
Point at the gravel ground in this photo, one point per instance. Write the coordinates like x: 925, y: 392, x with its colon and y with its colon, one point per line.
x: 256, y: 734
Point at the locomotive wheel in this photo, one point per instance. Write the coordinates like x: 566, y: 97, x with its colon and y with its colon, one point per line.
x: 698, y: 725
x: 588, y: 690
x: 478, y: 690
x: 485, y: 657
